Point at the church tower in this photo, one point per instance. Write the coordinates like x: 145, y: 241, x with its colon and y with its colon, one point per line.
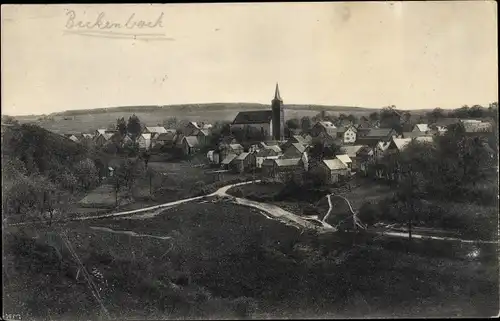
x: 278, y: 119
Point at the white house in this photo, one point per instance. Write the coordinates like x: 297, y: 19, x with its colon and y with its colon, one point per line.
x: 345, y: 160
x: 421, y: 128
x: 144, y: 141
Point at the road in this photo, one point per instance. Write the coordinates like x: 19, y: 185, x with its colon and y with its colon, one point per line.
x: 272, y: 211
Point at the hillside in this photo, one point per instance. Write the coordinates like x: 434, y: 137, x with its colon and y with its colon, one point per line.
x: 77, y: 121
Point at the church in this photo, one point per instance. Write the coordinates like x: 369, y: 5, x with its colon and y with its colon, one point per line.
x: 270, y: 123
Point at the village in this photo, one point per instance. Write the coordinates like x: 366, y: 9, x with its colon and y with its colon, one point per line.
x: 256, y: 143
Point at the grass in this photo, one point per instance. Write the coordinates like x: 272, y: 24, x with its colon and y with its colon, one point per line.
x: 230, y: 259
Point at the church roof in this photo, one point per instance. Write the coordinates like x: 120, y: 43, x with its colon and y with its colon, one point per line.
x: 277, y: 93
x: 253, y: 117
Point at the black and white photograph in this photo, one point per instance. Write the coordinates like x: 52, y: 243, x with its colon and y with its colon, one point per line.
x: 272, y: 160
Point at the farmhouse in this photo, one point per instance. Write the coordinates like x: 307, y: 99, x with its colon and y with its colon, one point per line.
x: 345, y: 159
x: 154, y: 130
x: 421, y: 128
x: 190, y: 145
x: 332, y: 170
x: 165, y: 139
x: 322, y: 127
x: 375, y: 135
x: 352, y: 152
x: 244, y: 162
x: 144, y: 141
x: 226, y: 149
x: 266, y: 153
x: 347, y: 134
x: 269, y: 123
x: 283, y: 169
x: 226, y: 162
x: 294, y: 151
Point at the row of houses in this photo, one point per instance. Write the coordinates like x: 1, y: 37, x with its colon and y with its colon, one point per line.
x: 190, y: 137
x: 361, y: 147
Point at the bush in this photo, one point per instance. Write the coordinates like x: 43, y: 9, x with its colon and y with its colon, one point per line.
x: 369, y: 213
x: 238, y: 192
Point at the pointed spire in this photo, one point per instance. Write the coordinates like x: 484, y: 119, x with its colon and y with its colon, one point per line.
x: 277, y: 93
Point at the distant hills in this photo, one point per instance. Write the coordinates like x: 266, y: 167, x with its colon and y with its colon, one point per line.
x: 208, y: 107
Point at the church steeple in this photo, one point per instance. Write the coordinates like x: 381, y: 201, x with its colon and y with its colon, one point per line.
x: 277, y: 93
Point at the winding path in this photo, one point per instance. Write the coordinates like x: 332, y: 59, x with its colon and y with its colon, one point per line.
x: 272, y: 212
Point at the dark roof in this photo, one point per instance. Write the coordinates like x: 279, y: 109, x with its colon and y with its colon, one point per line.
x: 253, y: 117
x: 166, y: 136
x: 379, y: 132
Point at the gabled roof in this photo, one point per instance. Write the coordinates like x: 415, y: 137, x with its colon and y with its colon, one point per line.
x: 352, y: 150
x: 242, y: 156
x: 422, y: 127
x: 401, y: 143
x: 334, y: 164
x: 156, y: 129
x: 326, y: 124
x: 168, y: 136
x: 195, y: 124
x: 299, y: 147
x: 284, y: 162
x: 344, y: 159
x: 146, y: 136
x: 477, y: 127
x: 413, y: 134
x: 379, y: 132
x: 277, y: 93
x: 101, y: 131
x: 427, y: 139
x: 275, y: 148
x: 253, y: 117
x: 203, y: 131
x: 235, y: 146
x: 192, y: 141
x: 365, y: 151
x: 383, y: 145
x: 229, y: 158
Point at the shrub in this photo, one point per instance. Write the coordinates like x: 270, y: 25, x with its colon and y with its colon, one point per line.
x: 369, y: 213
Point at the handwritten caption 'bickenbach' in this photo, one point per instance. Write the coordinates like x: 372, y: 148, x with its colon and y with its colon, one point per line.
x: 102, y: 23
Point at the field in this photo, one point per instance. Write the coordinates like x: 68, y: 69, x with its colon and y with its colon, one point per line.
x: 225, y: 260
x: 90, y: 120
x: 170, y: 181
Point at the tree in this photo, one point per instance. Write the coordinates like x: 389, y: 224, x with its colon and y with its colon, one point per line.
x: 374, y: 116
x: 68, y: 181
x: 134, y: 127
x: 171, y: 122
x: 353, y: 119
x: 305, y: 124
x: 146, y: 156
x: 121, y: 126
x: 477, y: 111
x: 293, y: 123
x: 6, y: 119
x: 86, y: 173
x: 436, y: 114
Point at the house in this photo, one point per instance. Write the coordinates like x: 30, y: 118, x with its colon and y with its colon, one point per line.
x: 437, y: 130
x: 332, y: 170
x: 283, y: 169
x: 399, y: 144
x: 190, y: 145
x: 226, y: 161
x: 213, y: 157
x: 243, y: 162
x: 297, y: 139
x: 190, y: 129
x: 322, y: 127
x: 265, y: 153
x: 227, y: 149
x: 421, y: 128
x: 415, y: 134
x: 352, y: 152
x: 345, y: 159
x: 347, y: 134
x: 380, y: 149
x: 476, y: 127
x: 364, y: 158
x: 108, y: 136
x: 375, y: 135
x: 165, y: 139
x: 154, y: 130
x: 144, y: 141
x: 294, y: 151
x: 203, y: 137
x: 72, y: 137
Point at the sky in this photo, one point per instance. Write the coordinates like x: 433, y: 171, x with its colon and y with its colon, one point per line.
x: 415, y: 55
